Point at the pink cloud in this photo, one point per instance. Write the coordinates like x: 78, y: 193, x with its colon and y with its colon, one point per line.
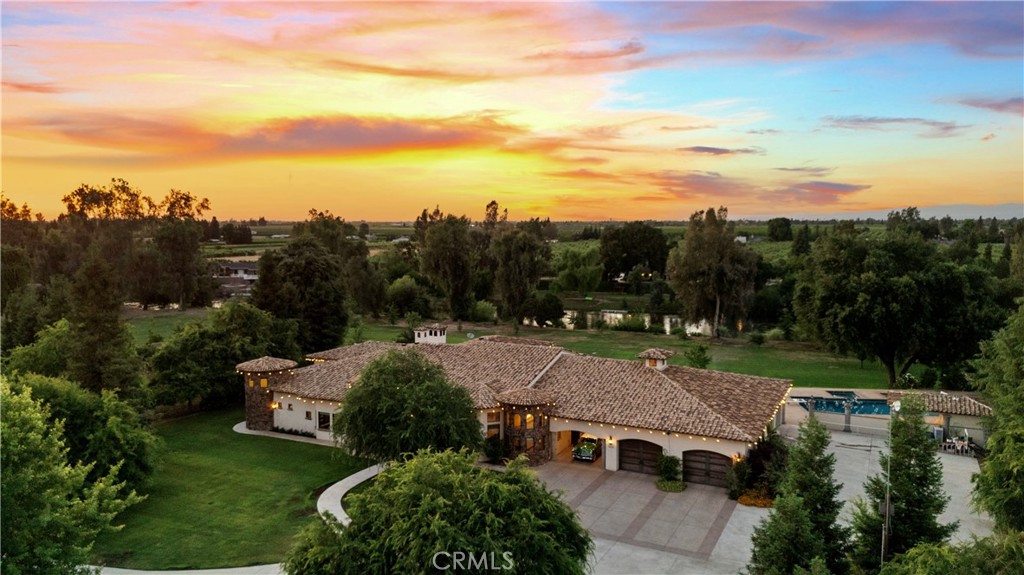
x: 815, y: 192
x: 1013, y: 106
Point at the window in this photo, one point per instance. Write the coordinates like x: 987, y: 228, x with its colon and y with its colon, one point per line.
x: 289, y: 407
x: 529, y: 444
x: 251, y: 382
x: 493, y: 417
x: 263, y: 382
x: 493, y: 429
x: 652, y: 363
x: 517, y: 421
x: 529, y: 421
x: 323, y: 420
x: 309, y: 415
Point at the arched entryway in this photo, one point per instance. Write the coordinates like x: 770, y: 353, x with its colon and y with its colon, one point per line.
x: 706, y: 467
x: 639, y: 455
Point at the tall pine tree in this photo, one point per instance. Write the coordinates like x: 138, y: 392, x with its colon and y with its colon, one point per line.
x: 810, y: 474
x: 786, y: 540
x: 916, y: 497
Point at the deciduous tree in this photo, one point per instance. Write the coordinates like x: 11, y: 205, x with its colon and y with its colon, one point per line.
x: 636, y: 243
x: 578, y: 270
x: 445, y: 259
x: 443, y: 502
x: 711, y: 274
x: 894, y: 298
x: 521, y: 257
x: 304, y: 282
x: 402, y: 403
x: 50, y: 515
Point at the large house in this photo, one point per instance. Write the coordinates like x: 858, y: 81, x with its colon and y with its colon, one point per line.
x: 541, y: 399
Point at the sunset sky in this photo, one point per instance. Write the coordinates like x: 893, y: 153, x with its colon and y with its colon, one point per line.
x: 586, y: 111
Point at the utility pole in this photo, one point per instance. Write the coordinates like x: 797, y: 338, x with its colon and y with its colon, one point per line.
x: 886, y: 523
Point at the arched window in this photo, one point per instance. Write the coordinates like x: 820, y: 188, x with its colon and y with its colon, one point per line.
x: 517, y: 421
x: 529, y: 421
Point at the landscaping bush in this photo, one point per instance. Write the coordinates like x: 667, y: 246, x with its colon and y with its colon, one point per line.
x: 669, y: 467
x: 289, y: 431
x: 483, y: 311
x: 757, y: 497
x: 631, y: 323
x: 680, y: 332
x: 670, y: 486
x: 775, y: 334
x: 767, y: 462
x: 757, y: 338
x: 698, y: 356
x: 494, y: 449
x: 736, y: 478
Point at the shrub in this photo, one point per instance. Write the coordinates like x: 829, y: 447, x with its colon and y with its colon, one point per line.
x: 680, y: 332
x: 757, y: 338
x: 775, y: 334
x: 579, y: 320
x: 483, y: 311
x: 669, y: 467
x: 494, y: 449
x: 758, y: 497
x: 289, y: 431
x: 698, y: 356
x: 631, y: 323
x: 670, y: 486
x: 736, y: 478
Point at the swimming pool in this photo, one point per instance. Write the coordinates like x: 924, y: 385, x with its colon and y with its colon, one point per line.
x: 834, y: 405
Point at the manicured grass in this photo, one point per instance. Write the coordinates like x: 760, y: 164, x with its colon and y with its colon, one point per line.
x: 222, y: 499
x: 143, y: 324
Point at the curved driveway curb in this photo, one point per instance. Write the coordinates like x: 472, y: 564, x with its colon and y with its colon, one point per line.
x: 330, y: 499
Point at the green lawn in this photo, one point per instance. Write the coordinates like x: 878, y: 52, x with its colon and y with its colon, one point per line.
x: 222, y: 499
x: 162, y: 323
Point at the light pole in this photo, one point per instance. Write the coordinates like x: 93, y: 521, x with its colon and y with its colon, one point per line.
x: 886, y: 523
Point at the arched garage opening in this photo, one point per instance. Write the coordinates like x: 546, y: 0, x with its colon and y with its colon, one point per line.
x: 706, y: 467
x: 639, y: 455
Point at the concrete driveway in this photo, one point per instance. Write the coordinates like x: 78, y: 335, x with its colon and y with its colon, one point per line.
x: 640, y: 530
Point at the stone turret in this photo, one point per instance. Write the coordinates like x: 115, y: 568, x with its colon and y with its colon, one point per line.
x: 527, y: 414
x: 260, y: 376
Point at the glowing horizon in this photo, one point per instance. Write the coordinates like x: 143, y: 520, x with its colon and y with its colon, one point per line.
x: 574, y: 111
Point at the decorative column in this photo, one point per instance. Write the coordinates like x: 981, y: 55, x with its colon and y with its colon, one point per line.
x: 260, y: 377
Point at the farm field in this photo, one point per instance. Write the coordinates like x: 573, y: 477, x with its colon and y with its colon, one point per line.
x: 222, y: 499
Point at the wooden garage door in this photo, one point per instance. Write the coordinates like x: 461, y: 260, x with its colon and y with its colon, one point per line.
x: 639, y: 455
x: 705, y: 467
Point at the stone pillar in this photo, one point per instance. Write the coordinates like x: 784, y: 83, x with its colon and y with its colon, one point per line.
x: 847, y: 411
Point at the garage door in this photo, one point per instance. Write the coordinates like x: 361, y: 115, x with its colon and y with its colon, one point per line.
x: 639, y: 455
x: 705, y: 467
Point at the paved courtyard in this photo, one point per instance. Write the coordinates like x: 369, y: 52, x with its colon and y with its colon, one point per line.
x: 640, y: 530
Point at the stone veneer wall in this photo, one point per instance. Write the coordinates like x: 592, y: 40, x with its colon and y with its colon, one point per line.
x: 259, y: 415
x: 516, y: 437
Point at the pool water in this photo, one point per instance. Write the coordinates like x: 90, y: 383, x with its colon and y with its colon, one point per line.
x: 860, y: 406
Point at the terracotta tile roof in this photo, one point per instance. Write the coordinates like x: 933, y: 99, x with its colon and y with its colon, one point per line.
x: 627, y: 393
x: 953, y: 403
x: 620, y: 392
x: 517, y: 340
x: 265, y: 363
x: 526, y: 396
x: 748, y: 401
x: 656, y: 353
x: 353, y: 350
